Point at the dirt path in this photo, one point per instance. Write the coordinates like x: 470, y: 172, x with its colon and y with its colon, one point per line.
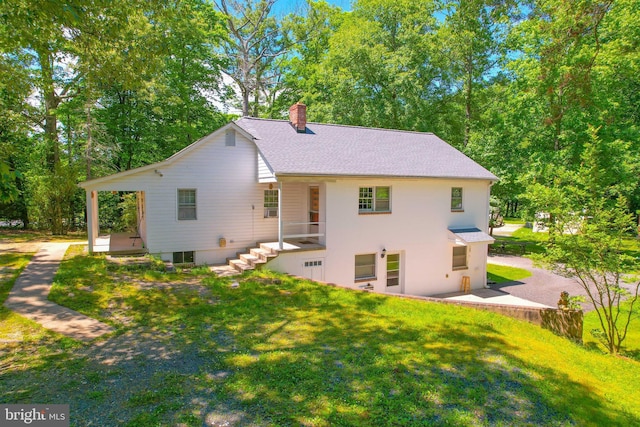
x: 29, y: 297
x: 19, y: 247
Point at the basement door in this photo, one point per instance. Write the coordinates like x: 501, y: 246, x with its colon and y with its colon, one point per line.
x: 313, y: 269
x: 394, y: 276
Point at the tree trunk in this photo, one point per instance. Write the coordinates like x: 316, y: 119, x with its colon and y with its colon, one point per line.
x: 467, y: 102
x: 245, y: 101
x: 51, y: 102
x: 89, y: 141
x: 52, y: 156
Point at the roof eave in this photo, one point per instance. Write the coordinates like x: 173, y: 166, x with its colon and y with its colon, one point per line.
x: 369, y: 176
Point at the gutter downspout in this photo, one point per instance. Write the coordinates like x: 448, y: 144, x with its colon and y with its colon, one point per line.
x: 280, y: 224
x: 488, y: 216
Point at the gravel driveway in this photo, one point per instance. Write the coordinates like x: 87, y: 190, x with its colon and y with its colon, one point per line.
x: 543, y: 286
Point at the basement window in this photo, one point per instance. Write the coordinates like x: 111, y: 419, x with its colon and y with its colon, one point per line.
x: 365, y: 267
x: 186, y: 257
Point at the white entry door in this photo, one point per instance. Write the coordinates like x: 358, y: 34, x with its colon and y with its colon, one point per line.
x: 314, y: 269
x: 394, y: 274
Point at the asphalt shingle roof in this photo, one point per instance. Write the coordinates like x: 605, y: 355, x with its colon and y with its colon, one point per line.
x: 472, y: 235
x: 338, y: 150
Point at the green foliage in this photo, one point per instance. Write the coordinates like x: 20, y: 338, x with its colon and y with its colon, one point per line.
x: 52, y: 193
x: 589, y: 223
x: 129, y: 208
x: 98, y: 87
x: 256, y: 42
x: 8, y: 188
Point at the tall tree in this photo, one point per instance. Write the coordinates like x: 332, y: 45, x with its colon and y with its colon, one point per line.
x: 589, y: 222
x: 256, y: 41
x: 472, y: 42
x: 304, y: 74
x: 378, y: 69
x: 79, y: 53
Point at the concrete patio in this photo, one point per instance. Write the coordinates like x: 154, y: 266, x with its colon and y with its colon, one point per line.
x: 490, y: 296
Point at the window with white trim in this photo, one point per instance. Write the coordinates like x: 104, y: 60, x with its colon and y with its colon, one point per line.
x: 374, y: 199
x: 365, y: 267
x: 456, y: 199
x: 270, y: 203
x: 186, y: 204
x: 459, y: 257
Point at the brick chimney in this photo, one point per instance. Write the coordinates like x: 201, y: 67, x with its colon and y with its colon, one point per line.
x: 298, y: 117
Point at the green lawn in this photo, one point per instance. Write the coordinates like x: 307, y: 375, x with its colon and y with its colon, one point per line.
x: 632, y: 342
x: 281, y: 351
x: 22, y: 236
x: 504, y: 273
x: 508, y: 220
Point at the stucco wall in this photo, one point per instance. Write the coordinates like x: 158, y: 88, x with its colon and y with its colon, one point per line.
x: 417, y: 228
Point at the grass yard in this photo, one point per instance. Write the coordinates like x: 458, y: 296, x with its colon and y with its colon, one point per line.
x: 504, y: 273
x: 510, y: 220
x: 533, y: 242
x: 190, y: 349
x: 632, y: 342
x: 22, y: 236
x: 24, y: 345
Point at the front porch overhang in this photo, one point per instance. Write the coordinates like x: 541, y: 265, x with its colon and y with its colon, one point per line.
x: 98, y: 243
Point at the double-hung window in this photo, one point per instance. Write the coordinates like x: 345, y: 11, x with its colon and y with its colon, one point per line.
x: 374, y: 199
x: 186, y: 204
x: 456, y: 199
x: 270, y: 203
x: 365, y: 267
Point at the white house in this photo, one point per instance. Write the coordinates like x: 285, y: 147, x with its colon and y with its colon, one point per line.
x: 396, y: 211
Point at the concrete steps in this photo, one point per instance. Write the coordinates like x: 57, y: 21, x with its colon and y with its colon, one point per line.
x: 254, y: 259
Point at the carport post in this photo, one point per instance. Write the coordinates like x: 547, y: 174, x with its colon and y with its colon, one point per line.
x: 92, y: 219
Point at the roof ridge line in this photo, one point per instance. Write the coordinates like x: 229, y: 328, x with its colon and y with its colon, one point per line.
x: 341, y: 125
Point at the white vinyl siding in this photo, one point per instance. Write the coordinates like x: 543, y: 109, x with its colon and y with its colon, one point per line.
x: 365, y: 267
x: 265, y: 174
x: 230, y: 138
x: 186, y: 204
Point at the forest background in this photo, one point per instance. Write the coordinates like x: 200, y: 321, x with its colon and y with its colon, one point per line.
x: 544, y: 93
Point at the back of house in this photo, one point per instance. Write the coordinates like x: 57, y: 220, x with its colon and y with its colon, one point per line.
x: 394, y: 211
